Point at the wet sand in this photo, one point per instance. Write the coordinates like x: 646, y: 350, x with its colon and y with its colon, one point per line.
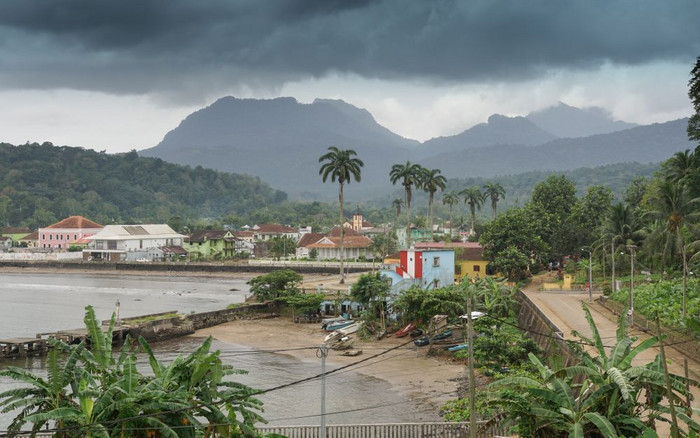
x: 405, y: 367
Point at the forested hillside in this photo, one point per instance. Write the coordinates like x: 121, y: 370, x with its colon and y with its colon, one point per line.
x: 42, y: 183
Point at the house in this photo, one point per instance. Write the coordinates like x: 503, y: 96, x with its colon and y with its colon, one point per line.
x: 131, y: 242
x: 211, y: 243
x: 265, y: 232
x: 5, y: 243
x: 64, y: 233
x: 15, y: 233
x: 428, y: 269
x: 31, y: 240
x: 355, y: 246
x: 468, y: 258
x: 307, y: 239
x: 246, y: 236
x: 470, y: 263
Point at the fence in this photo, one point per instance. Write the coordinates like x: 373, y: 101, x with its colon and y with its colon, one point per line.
x: 395, y: 430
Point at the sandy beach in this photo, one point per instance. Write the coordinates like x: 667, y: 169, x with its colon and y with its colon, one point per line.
x: 428, y: 380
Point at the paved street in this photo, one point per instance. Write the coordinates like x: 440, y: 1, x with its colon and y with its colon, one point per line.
x: 564, y: 309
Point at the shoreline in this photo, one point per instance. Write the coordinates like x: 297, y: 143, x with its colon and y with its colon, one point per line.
x: 407, y: 369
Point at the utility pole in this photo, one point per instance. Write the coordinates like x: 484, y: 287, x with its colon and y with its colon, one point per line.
x: 472, y: 386
x: 612, y: 251
x: 324, y: 353
x: 590, y: 275
x: 631, y: 249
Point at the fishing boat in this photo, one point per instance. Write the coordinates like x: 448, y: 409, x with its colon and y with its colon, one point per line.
x: 353, y: 328
x: 458, y: 347
x: 339, y: 325
x: 325, y: 322
x: 404, y: 331
x: 439, y: 337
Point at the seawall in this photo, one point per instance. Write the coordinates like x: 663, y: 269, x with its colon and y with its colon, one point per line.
x: 302, y: 268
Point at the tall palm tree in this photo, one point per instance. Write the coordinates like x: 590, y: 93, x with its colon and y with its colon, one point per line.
x: 340, y: 165
x: 409, y: 175
x: 495, y: 191
x: 432, y: 181
x: 397, y: 204
x: 674, y: 212
x: 475, y: 199
x: 451, y: 199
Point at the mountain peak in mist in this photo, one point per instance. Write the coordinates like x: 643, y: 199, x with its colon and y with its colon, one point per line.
x: 567, y: 121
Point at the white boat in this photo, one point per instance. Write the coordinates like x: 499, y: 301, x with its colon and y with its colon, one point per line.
x: 351, y: 328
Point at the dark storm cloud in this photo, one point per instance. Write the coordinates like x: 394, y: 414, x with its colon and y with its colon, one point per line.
x: 136, y: 46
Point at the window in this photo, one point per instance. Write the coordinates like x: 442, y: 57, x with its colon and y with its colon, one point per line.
x: 50, y: 236
x: 477, y: 268
x: 111, y: 244
x: 43, y: 236
x: 436, y: 261
x: 75, y: 237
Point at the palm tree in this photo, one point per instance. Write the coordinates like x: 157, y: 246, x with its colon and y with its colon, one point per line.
x: 340, y: 165
x: 673, y: 211
x: 410, y: 175
x: 680, y: 166
x: 475, y: 199
x: 494, y: 191
x: 432, y: 181
x: 621, y: 227
x: 451, y: 199
x: 397, y: 204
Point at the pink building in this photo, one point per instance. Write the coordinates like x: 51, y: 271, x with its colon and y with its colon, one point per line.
x: 67, y: 232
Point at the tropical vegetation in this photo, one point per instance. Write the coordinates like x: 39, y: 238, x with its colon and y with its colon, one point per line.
x: 97, y: 392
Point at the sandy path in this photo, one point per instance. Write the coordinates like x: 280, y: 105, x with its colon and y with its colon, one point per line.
x: 406, y: 368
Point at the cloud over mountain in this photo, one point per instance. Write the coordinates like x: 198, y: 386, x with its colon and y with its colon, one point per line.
x: 136, y: 46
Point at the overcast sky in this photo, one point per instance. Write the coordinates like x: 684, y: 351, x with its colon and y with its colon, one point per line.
x: 118, y: 75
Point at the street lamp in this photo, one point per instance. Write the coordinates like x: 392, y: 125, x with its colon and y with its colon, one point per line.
x: 590, y: 275
x: 631, y: 249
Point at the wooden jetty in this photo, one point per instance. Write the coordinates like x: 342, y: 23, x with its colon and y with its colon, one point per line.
x: 22, y: 347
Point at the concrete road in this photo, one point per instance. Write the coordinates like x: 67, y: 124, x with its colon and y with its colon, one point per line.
x: 565, y: 310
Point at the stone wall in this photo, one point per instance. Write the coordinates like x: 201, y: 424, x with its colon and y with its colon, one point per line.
x: 543, y: 331
x: 183, y: 325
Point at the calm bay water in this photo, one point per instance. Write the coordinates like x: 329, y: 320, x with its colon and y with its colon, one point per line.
x: 38, y: 303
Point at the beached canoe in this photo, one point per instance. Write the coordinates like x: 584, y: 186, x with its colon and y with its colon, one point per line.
x: 439, y: 337
x: 405, y: 331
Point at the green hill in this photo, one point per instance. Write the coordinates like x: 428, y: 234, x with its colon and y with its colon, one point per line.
x: 42, y: 183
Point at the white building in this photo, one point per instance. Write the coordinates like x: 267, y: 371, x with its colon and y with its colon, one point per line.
x: 131, y: 242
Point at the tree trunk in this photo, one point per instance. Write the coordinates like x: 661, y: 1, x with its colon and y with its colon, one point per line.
x: 342, y: 235
x: 430, y: 214
x: 408, y: 217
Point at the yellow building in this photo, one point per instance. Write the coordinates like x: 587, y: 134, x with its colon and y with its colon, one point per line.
x: 469, y: 263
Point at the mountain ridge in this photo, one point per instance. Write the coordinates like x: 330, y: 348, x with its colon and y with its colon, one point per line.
x: 280, y: 140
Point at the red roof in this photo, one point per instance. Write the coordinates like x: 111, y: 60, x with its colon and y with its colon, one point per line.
x: 335, y: 231
x: 15, y: 230
x: 309, y: 238
x: 443, y: 245
x: 273, y: 228
x: 348, y: 242
x: 31, y: 236
x: 75, y: 222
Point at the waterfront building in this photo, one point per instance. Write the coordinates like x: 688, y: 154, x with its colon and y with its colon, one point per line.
x: 66, y: 232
